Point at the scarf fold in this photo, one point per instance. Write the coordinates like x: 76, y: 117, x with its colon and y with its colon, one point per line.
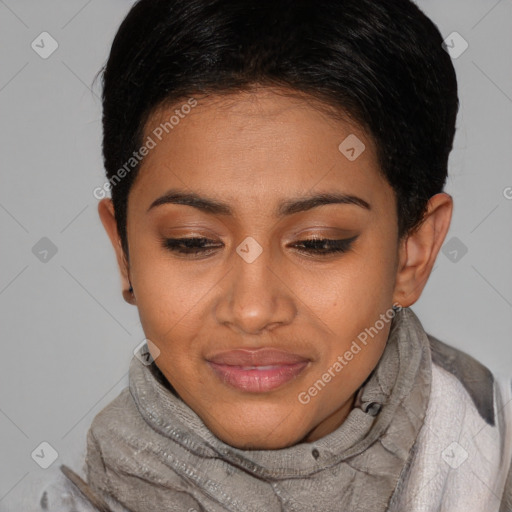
x: 148, y: 450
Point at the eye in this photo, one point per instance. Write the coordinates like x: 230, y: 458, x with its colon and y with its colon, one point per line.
x: 325, y: 246
x: 195, y: 246
x: 190, y: 246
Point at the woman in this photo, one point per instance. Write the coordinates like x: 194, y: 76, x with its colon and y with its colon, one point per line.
x: 277, y: 173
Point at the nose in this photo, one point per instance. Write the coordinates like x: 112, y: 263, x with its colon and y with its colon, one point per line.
x: 255, y: 296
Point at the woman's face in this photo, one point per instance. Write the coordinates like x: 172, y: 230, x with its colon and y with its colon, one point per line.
x: 250, y: 316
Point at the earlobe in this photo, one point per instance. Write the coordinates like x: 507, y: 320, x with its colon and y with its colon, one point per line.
x: 419, y: 250
x: 129, y: 296
x: 107, y: 216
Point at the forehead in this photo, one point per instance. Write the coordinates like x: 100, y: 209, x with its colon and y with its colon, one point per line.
x: 253, y: 146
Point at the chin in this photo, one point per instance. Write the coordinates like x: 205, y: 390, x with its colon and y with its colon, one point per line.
x: 258, y: 442
x: 255, y: 435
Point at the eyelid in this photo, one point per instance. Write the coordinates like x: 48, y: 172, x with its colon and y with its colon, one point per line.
x: 211, y: 241
x: 337, y: 244
x: 322, y: 231
x: 203, y: 247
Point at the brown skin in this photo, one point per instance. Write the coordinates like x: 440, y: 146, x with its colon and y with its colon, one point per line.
x: 252, y: 151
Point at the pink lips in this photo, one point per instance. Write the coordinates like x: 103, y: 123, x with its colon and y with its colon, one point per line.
x: 257, y: 371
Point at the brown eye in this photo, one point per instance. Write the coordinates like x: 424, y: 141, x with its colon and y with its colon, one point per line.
x: 325, y: 246
x: 191, y: 246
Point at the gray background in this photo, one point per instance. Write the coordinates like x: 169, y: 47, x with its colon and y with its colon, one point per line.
x: 67, y: 334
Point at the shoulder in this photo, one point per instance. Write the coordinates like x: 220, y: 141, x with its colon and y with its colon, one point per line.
x: 463, y: 455
x: 126, y: 455
x: 477, y: 380
x: 116, y: 435
x: 115, y: 414
x: 112, y: 438
x: 467, y: 436
x: 468, y: 398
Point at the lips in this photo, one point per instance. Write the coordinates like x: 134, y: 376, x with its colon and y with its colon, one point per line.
x: 259, y: 357
x: 257, y: 371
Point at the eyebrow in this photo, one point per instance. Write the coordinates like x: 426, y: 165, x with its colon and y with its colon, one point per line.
x: 285, y: 208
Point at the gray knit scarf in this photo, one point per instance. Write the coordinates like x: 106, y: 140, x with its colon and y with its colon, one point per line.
x: 148, y: 451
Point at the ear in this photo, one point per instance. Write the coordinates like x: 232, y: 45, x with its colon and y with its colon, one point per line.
x: 107, y: 216
x: 419, y: 250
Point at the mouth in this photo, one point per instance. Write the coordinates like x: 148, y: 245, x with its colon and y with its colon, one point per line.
x: 257, y: 371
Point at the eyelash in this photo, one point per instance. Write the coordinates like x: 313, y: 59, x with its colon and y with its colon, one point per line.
x: 193, y: 246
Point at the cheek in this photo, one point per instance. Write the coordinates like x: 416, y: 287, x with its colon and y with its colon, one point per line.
x: 351, y: 293
x: 348, y: 300
x: 167, y: 297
